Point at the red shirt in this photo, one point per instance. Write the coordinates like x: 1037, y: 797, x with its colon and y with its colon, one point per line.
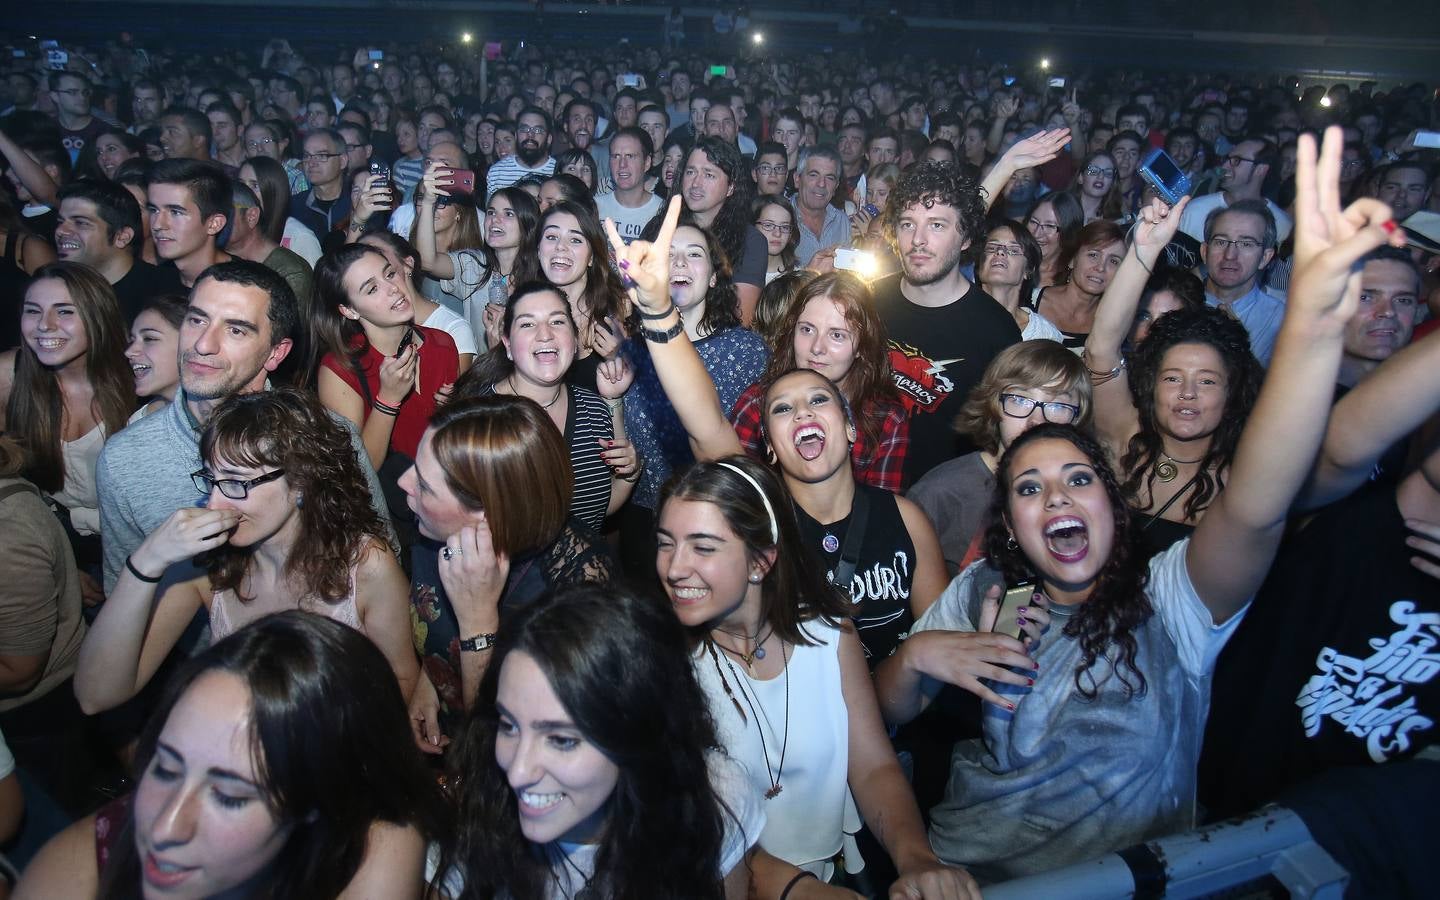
x: 439, y: 366
x: 880, y: 463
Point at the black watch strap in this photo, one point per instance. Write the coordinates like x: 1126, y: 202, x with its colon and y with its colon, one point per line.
x: 477, y: 643
x: 666, y: 336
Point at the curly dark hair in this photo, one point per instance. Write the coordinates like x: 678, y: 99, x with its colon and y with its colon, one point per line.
x: 932, y: 184
x: 617, y: 661
x: 1229, y: 338
x: 733, y: 223
x: 289, y: 429
x: 1118, y: 603
x: 722, y: 303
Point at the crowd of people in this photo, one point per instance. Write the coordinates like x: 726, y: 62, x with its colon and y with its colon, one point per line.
x: 603, y: 474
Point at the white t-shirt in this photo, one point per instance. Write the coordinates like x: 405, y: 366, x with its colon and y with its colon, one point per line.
x: 1192, y: 222
x: 743, y: 823
x: 300, y: 240
x: 628, y: 221
x: 455, y: 326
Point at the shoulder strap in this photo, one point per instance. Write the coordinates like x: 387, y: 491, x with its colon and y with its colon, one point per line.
x: 854, y: 539
x: 1150, y: 519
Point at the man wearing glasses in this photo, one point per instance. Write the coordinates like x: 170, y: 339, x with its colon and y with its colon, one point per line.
x: 78, y: 128
x: 237, y: 331
x: 532, y: 152
x: 327, y: 203
x: 1242, y: 176
x: 1239, y: 243
x: 770, y: 170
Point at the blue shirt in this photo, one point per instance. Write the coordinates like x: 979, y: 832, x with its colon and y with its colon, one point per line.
x: 834, y: 233
x: 1260, y: 313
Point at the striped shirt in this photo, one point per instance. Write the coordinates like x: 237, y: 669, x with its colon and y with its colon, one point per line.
x: 509, y: 170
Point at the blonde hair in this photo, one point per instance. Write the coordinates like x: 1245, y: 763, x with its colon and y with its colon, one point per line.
x: 1028, y: 364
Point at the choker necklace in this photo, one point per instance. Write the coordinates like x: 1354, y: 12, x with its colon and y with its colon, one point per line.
x: 558, y: 391
x: 1169, y: 467
x: 773, y: 776
x: 748, y: 658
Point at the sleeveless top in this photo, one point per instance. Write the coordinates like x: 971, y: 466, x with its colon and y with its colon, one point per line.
x: 228, y: 613
x: 79, y: 494
x: 880, y: 588
x: 807, y: 821
x: 1073, y: 340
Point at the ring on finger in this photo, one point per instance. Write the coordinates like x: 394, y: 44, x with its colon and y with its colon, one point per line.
x: 449, y: 553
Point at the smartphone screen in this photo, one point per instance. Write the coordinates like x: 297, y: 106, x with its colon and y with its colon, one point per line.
x: 1165, y: 169
x: 717, y: 70
x: 376, y: 55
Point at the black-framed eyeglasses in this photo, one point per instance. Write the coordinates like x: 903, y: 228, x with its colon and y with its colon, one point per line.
x: 1018, y: 406
x: 321, y: 157
x: 1097, y: 172
x: 234, y: 488
x: 995, y: 248
x: 1235, y: 159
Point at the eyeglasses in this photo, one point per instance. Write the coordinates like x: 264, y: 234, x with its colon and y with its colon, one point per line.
x: 256, y: 145
x: 234, y: 488
x: 1018, y: 406
x: 353, y: 147
x: 995, y: 249
x: 769, y: 227
x: 1040, y: 228
x: 1097, y: 172
x: 1245, y: 245
x: 1236, y: 160
x: 771, y: 170
x: 443, y: 202
x: 531, y: 129
x: 321, y: 157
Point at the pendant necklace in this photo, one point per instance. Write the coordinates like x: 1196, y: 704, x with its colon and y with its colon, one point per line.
x: 1169, y: 467
x: 775, y: 774
x: 586, y: 891
x: 757, y: 652
x: 558, y: 391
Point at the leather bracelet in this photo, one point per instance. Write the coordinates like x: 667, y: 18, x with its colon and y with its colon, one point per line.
x: 655, y: 317
x: 385, y: 408
x: 796, y: 880
x: 143, y: 577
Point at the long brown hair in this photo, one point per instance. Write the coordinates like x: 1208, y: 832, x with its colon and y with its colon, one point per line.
x: 869, y: 387
x: 35, y: 413
x: 288, y: 429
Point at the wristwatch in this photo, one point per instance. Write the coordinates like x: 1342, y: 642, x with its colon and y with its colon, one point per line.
x: 666, y: 336
x: 477, y: 643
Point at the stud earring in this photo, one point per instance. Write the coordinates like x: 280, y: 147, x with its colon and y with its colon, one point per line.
x: 754, y: 577
x: 1010, y: 543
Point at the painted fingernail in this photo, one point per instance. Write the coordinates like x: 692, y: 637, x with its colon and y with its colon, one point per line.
x: 1020, y: 619
x: 1021, y: 609
x: 624, y: 263
x: 1389, y: 225
x: 1010, y: 706
x: 1030, y: 682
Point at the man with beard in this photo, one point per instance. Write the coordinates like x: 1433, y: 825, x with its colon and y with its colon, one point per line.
x: 943, y: 329
x: 532, y: 152
x: 579, y: 124
x: 630, y: 205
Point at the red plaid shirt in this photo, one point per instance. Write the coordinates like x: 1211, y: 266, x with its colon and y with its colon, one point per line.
x: 880, y: 463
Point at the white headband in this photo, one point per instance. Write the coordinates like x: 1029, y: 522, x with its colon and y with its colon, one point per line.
x: 764, y: 498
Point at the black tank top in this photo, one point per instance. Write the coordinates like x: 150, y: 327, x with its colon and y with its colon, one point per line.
x: 880, y: 588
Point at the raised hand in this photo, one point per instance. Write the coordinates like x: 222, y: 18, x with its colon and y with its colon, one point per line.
x: 1156, y: 227
x: 1038, y: 149
x: 613, y: 378
x: 647, y: 265
x: 437, y: 178
x: 1329, y: 240
x: 374, y: 197
x: 619, y: 454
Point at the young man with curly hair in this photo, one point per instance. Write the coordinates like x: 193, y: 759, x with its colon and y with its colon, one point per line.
x: 943, y: 329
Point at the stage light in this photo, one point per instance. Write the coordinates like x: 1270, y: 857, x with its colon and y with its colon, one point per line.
x: 758, y: 38
x: 466, y: 38
x: 1045, y: 63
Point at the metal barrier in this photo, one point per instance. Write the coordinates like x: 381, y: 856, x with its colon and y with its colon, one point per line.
x: 1270, y: 844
